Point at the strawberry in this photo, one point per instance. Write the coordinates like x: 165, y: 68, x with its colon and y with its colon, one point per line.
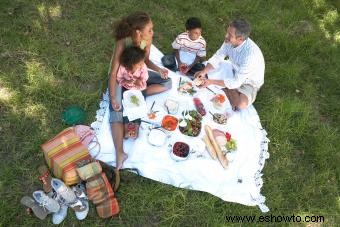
x: 228, y: 136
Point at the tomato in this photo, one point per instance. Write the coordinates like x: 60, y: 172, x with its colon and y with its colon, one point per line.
x: 220, y: 98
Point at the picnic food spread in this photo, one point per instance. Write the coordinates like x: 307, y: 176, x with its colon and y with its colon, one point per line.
x: 199, y: 106
x: 218, y: 100
x: 214, y: 146
x: 198, y: 81
x: 189, y: 121
x: 219, y: 118
x: 186, y: 87
x: 190, y: 124
x: 134, y: 100
x: 152, y: 115
x: 180, y: 150
x: 171, y: 105
x: 169, y: 122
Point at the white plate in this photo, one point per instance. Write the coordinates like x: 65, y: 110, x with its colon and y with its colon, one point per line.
x: 157, y: 137
x: 131, y: 110
x: 127, y: 98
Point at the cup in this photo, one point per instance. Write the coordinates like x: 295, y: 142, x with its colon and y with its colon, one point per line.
x: 171, y: 106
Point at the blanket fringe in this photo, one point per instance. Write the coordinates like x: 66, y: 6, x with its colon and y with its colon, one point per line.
x: 260, y: 199
x: 101, y: 112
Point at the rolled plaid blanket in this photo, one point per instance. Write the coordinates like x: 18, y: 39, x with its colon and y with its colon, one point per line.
x: 110, y: 207
x: 100, y: 192
x: 90, y: 170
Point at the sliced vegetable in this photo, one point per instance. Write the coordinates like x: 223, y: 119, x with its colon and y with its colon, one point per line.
x: 134, y: 100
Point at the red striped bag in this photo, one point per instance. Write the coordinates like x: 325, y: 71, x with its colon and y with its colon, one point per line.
x: 63, y: 152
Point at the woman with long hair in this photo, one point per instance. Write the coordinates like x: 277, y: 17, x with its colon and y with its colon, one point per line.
x: 133, y: 30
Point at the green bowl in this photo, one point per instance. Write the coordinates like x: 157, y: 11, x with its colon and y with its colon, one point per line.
x: 74, y: 115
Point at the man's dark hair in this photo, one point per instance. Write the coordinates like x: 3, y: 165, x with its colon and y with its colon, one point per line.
x: 242, y: 28
x: 130, y: 56
x: 192, y: 23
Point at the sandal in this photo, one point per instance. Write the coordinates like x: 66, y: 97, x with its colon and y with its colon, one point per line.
x: 117, y: 180
x: 109, y: 172
x: 45, y: 177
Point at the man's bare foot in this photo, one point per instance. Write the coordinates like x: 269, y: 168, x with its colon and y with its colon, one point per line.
x: 120, y: 160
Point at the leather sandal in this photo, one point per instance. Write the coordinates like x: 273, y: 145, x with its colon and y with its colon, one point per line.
x: 45, y: 177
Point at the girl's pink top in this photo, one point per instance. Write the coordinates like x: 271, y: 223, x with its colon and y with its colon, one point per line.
x: 136, y: 80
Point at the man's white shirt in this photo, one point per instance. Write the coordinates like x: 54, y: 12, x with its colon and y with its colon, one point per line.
x: 247, y: 63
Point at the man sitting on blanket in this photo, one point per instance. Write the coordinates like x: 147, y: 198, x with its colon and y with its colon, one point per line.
x: 247, y: 66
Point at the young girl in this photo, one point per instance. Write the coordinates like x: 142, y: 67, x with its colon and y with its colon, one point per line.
x: 132, y: 72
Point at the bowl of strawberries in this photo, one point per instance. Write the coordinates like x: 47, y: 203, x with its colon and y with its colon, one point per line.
x: 180, y: 151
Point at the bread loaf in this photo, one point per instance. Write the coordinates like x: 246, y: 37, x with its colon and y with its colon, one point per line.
x: 210, y: 147
x: 221, y: 157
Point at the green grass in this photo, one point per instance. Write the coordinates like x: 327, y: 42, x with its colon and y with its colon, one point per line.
x: 57, y: 53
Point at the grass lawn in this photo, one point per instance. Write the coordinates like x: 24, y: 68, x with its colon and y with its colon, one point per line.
x: 56, y: 53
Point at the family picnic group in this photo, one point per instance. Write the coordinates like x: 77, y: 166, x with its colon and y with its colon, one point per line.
x: 131, y: 68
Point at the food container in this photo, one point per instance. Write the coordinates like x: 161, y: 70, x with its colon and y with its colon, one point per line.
x: 180, y: 151
x: 220, y: 118
x: 157, y: 137
x: 191, y: 123
x: 171, y: 106
x: 169, y: 122
x: 218, y: 101
x: 199, y: 106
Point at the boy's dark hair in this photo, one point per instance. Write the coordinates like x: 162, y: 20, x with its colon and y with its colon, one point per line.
x: 242, y: 28
x: 192, y: 23
x: 130, y: 56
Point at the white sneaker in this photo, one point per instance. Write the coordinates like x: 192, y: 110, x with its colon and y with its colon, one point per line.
x: 79, y: 191
x: 81, y: 215
x: 67, y: 195
x: 62, y: 190
x: 48, y: 203
x: 59, y: 216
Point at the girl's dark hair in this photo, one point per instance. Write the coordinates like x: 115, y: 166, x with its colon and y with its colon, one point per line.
x: 130, y: 56
x: 135, y: 21
x: 192, y: 23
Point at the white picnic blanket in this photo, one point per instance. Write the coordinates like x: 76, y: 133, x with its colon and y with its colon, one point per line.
x: 241, y: 182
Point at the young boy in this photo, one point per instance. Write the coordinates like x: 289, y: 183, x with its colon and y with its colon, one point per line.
x: 189, y: 49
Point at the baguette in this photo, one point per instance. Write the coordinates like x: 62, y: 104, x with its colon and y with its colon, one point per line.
x: 222, y: 158
x: 210, y: 147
